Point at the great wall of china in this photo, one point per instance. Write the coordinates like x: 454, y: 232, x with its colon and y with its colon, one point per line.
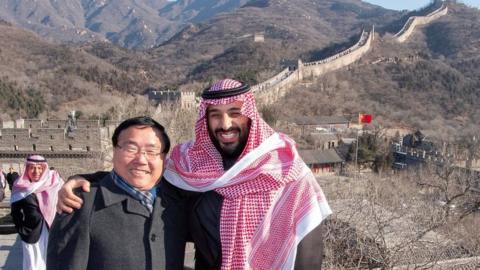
x: 70, y: 148
x: 80, y: 149
x: 415, y: 21
x: 276, y: 87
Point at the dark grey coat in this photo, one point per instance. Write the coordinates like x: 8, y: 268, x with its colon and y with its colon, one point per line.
x: 111, y: 231
x: 28, y: 219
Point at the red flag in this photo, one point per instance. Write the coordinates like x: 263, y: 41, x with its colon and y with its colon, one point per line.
x: 364, y: 118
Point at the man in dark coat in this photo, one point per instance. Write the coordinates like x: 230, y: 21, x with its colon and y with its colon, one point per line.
x: 227, y: 185
x: 34, y: 199
x: 119, y: 225
x: 12, y: 175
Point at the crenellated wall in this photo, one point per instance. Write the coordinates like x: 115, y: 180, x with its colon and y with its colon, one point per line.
x: 340, y: 60
x: 274, y: 88
x: 66, y: 164
x: 272, y: 81
x: 50, y: 139
x: 88, y: 123
x: 70, y: 151
x: 80, y: 150
x: 415, y: 21
x: 273, y: 92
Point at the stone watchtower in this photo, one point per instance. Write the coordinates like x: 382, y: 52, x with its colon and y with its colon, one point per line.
x: 259, y: 37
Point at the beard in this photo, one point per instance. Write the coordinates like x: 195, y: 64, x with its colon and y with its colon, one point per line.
x: 229, y: 150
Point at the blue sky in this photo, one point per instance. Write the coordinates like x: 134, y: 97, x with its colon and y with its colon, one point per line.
x: 414, y: 4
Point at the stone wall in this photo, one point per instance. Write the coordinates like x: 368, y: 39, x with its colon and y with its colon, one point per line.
x: 66, y: 164
x: 272, y: 81
x: 276, y: 87
x: 88, y: 123
x: 187, y: 100
x: 415, y: 21
x: 78, y: 151
x: 55, y: 123
x: 31, y: 123
x: 275, y: 91
x: 50, y: 139
x: 340, y: 60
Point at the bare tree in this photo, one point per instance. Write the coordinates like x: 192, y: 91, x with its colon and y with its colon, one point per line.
x: 395, y: 221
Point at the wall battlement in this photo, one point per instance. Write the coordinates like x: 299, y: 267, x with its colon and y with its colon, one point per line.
x: 53, y: 135
x: 51, y: 139
x: 50, y: 123
x: 415, y: 21
x: 70, y: 150
x: 185, y: 99
x: 274, y: 88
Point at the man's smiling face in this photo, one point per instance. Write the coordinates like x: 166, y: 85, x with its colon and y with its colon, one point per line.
x: 134, y: 157
x: 228, y: 128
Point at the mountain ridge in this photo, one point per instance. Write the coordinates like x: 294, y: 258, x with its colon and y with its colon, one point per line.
x: 402, y: 76
x: 129, y: 23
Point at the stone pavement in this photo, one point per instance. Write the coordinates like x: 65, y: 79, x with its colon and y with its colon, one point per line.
x: 10, y: 247
x: 10, y: 252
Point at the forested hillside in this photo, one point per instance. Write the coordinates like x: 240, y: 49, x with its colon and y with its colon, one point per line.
x: 432, y: 81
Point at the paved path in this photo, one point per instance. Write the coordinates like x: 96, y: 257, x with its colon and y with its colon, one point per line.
x: 10, y: 247
x: 10, y: 252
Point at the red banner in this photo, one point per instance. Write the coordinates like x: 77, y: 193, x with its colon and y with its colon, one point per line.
x: 364, y: 118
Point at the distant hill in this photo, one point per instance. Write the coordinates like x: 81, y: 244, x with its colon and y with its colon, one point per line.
x: 432, y: 81
x: 44, y: 76
x: 292, y: 29
x: 127, y: 23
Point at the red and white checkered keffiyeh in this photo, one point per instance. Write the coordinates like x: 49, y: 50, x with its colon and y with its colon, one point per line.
x: 46, y: 188
x: 271, y: 198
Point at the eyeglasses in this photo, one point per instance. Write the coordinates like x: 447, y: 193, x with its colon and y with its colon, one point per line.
x: 132, y: 151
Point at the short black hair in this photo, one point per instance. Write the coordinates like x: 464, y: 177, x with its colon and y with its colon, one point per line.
x: 142, y: 121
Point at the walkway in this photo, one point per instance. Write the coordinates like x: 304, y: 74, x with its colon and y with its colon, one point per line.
x: 10, y: 247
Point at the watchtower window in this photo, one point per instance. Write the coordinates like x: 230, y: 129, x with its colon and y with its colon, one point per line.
x: 88, y: 148
x: 14, y: 136
x: 34, y: 147
x: 51, y: 148
x: 15, y: 147
x: 59, y: 126
x: 69, y: 147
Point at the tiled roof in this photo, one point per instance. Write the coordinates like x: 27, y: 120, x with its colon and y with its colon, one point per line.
x: 324, y: 137
x: 320, y: 156
x: 320, y: 120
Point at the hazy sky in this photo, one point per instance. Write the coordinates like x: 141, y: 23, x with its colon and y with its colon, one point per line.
x: 414, y: 4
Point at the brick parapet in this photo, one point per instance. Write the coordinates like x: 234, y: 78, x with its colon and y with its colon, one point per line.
x: 51, y: 139
x: 415, y: 21
x: 274, y: 88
